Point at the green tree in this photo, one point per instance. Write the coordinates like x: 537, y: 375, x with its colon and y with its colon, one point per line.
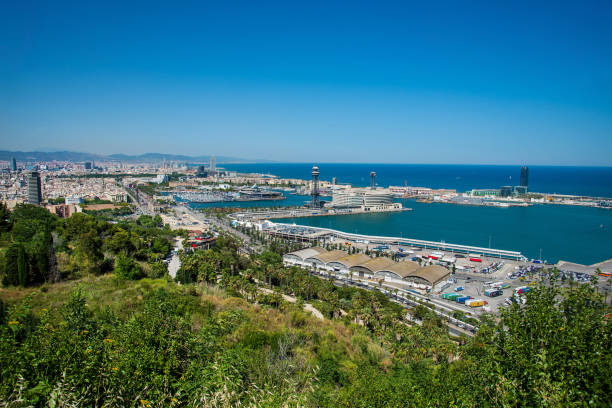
x: 22, y: 266
x: 78, y: 224
x: 553, y: 351
x: 27, y: 220
x: 38, y: 252
x: 127, y: 268
x: 120, y: 241
x: 16, y: 265
x: 11, y: 271
x: 89, y: 252
x: 5, y: 222
x: 158, y: 270
x: 146, y: 221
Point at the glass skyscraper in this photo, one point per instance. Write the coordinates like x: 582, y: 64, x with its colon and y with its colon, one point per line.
x: 524, y: 176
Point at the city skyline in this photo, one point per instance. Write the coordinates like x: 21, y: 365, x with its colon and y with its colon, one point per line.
x: 444, y: 84
x: 204, y: 159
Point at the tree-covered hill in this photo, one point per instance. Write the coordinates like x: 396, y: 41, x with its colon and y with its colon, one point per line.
x: 112, y: 329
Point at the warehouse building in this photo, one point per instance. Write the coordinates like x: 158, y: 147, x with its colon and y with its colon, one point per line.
x: 398, y: 271
x: 344, y: 264
x: 431, y: 275
x: 320, y: 260
x: 369, y: 268
x: 405, y: 273
x: 297, y: 258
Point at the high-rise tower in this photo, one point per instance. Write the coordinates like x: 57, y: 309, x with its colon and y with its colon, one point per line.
x: 524, y: 176
x: 314, y: 195
x: 212, y: 166
x: 13, y: 164
x: 373, y: 178
x: 34, y: 188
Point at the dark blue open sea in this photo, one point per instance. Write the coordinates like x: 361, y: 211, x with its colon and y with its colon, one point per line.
x: 570, y: 233
x: 589, y: 181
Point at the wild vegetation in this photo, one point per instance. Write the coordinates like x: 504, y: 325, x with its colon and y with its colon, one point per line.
x: 37, y: 246
x: 226, y: 337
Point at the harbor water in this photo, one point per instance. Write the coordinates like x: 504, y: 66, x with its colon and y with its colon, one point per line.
x: 576, y: 234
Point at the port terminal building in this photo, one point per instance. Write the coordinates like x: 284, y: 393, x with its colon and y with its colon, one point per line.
x: 365, y: 199
x: 317, y: 236
x: 405, y: 273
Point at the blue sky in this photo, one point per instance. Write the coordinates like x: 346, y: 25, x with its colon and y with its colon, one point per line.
x: 442, y: 82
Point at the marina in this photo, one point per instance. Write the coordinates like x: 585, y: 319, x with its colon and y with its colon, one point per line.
x: 218, y: 196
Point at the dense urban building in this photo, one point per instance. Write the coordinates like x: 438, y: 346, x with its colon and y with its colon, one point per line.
x: 34, y: 188
x: 201, y: 172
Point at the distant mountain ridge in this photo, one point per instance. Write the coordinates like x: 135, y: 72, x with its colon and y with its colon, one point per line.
x: 142, y: 158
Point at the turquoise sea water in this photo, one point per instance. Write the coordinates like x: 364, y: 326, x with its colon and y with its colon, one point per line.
x: 576, y: 234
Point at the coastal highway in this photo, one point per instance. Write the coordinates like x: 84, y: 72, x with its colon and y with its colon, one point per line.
x: 221, y: 225
x: 455, y: 327
x: 142, y: 207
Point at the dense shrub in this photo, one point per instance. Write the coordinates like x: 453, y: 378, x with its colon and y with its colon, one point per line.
x: 127, y: 268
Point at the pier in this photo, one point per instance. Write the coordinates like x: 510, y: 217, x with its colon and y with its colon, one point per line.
x: 310, y: 212
x: 303, y: 233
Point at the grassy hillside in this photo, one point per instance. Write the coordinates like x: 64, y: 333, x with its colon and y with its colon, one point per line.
x: 104, y: 341
x: 111, y: 332
x: 155, y: 343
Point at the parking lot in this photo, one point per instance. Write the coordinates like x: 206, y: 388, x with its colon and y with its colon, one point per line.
x: 476, y: 289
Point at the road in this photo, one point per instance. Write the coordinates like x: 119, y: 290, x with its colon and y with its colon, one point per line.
x: 175, y: 262
x: 142, y: 207
x: 455, y: 326
x: 222, y: 225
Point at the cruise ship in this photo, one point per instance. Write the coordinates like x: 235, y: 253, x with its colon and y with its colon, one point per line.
x: 255, y: 194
